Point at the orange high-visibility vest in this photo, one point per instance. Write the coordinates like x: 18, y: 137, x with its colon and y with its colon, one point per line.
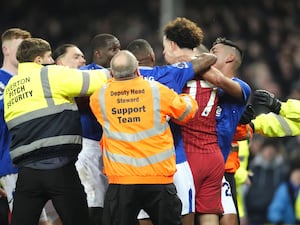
x: 137, y: 141
x: 243, y: 132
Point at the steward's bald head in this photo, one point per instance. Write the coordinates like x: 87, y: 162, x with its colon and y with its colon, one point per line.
x: 124, y: 65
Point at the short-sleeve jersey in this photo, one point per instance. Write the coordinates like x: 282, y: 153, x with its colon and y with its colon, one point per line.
x: 228, y: 115
x: 199, y: 134
x: 6, y: 166
x: 175, y: 77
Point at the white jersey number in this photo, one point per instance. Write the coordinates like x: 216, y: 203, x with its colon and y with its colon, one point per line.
x: 192, y: 84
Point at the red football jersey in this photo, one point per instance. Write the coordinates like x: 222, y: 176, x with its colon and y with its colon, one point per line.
x: 199, y: 134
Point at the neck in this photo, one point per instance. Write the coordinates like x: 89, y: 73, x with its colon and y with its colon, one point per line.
x: 126, y: 78
x: 9, y: 67
x: 146, y: 63
x: 228, y: 72
x: 187, y: 52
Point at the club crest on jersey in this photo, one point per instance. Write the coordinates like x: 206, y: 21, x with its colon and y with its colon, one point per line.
x: 181, y: 65
x: 218, y: 111
x: 2, y: 86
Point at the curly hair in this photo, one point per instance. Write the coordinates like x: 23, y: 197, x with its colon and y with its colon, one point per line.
x: 184, y: 32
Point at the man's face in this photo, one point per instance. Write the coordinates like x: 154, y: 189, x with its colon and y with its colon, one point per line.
x: 220, y: 51
x: 73, y: 58
x: 10, y: 48
x: 168, y: 51
x: 105, y: 54
x: 47, y: 58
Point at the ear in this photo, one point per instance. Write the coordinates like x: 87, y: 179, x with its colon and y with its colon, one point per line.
x: 38, y: 60
x: 152, y: 55
x: 138, y: 72
x: 173, y: 45
x: 111, y: 74
x: 59, y: 61
x: 5, y: 50
x: 230, y: 58
x: 98, y: 53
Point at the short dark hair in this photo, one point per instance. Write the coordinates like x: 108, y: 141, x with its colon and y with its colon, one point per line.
x: 30, y: 48
x: 140, y: 48
x: 224, y: 41
x: 100, y: 40
x: 61, y: 50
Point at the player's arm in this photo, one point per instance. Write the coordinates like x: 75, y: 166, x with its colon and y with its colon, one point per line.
x: 203, y: 62
x: 273, y: 125
x: 229, y: 86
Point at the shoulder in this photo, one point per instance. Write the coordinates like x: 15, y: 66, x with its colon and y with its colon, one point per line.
x: 92, y: 66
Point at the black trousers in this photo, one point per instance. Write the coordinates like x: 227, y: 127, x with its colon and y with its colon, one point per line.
x: 123, y: 202
x: 4, y: 211
x: 62, y: 185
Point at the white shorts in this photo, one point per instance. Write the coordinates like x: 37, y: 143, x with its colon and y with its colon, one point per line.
x: 183, y: 180
x: 227, y: 200
x: 90, y: 166
x: 9, y: 185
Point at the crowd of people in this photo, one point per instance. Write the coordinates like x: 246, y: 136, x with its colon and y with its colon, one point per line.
x: 267, y: 30
x: 204, y: 116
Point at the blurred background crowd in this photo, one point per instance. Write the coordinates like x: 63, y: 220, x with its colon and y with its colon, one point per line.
x: 268, y: 31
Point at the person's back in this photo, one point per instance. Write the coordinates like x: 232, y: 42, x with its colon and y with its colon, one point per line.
x: 137, y: 141
x: 46, y: 133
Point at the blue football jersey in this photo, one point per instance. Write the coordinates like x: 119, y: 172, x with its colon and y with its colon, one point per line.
x: 229, y: 112
x: 175, y: 77
x: 6, y: 166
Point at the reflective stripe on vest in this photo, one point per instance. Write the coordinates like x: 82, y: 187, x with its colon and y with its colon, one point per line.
x: 46, y: 142
x: 188, y: 110
x: 285, y: 126
x: 50, y: 110
x: 54, y: 109
x: 139, y: 162
x: 156, y: 130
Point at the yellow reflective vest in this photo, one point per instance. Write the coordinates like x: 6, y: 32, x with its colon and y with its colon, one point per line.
x: 287, y: 123
x: 137, y: 141
x: 40, y: 112
x: 241, y: 175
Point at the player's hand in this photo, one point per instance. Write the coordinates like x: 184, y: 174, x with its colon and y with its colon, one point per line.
x: 263, y: 97
x: 248, y: 115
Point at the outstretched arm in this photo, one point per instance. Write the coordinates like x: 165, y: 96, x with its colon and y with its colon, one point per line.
x: 229, y: 86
